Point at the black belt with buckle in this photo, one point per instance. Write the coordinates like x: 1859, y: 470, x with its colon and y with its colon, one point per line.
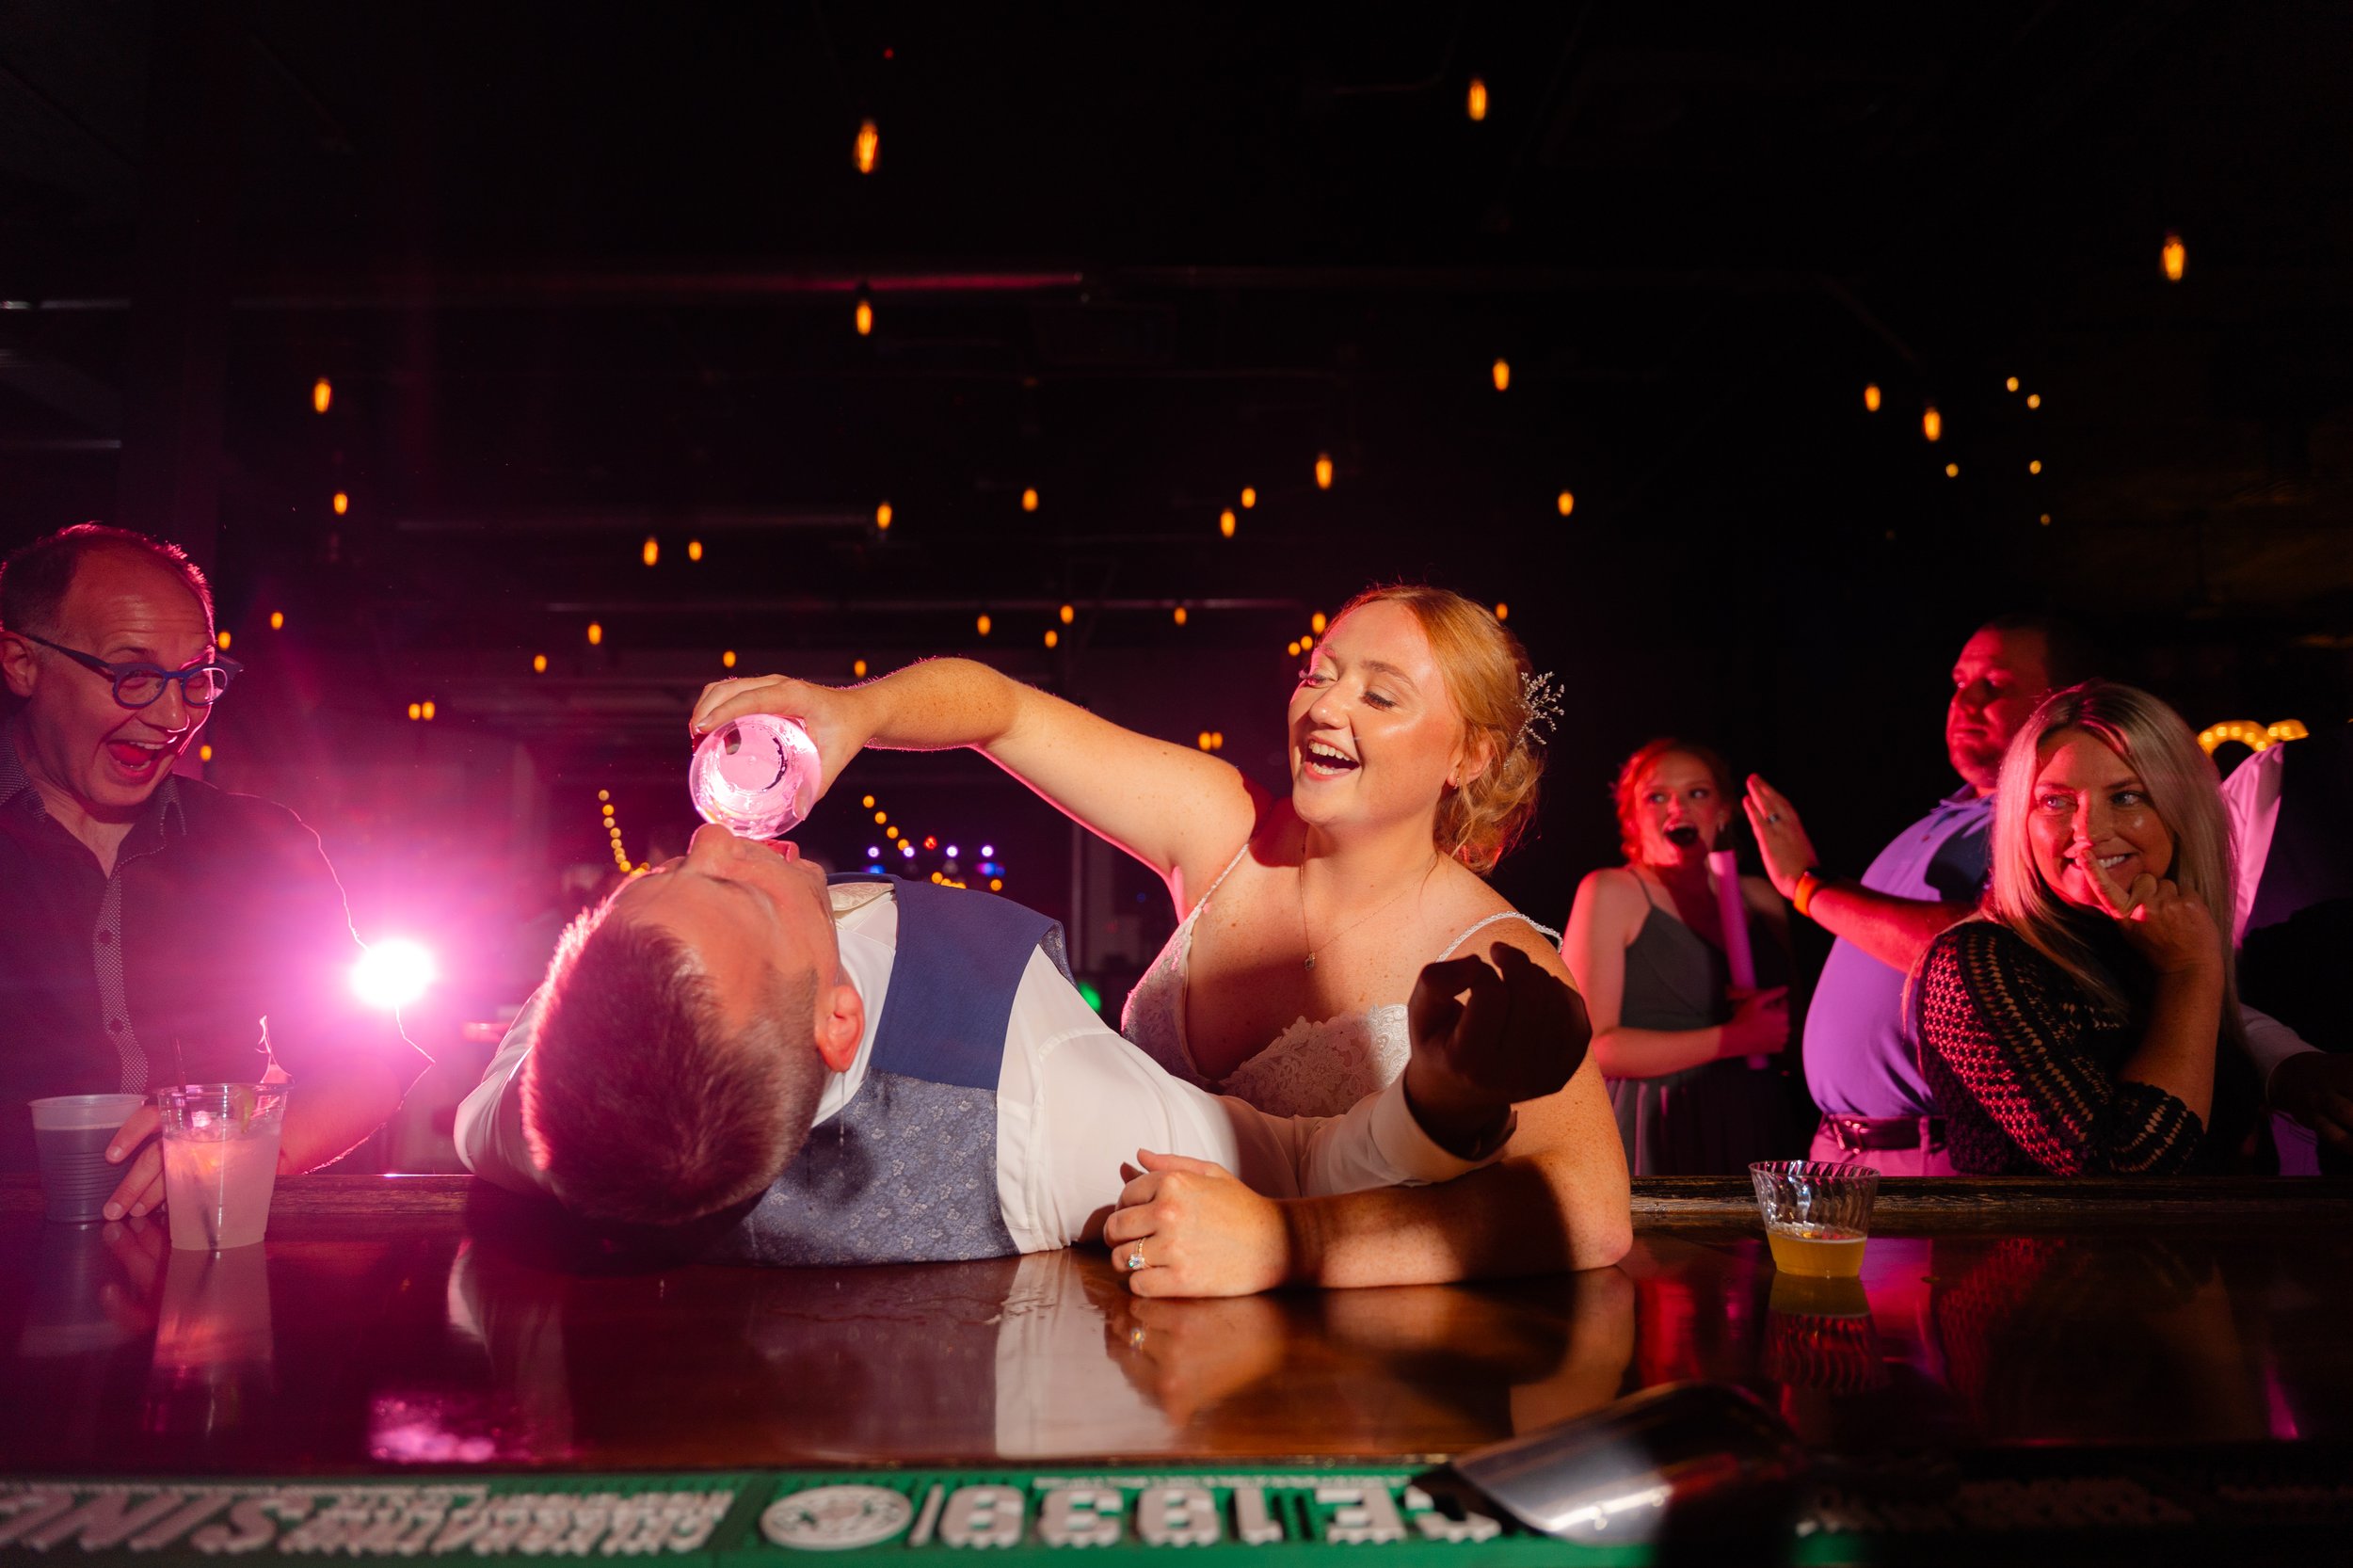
x: 1856, y: 1135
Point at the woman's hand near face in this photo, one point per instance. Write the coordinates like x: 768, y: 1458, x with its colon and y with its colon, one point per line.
x: 2173, y: 930
x: 836, y: 720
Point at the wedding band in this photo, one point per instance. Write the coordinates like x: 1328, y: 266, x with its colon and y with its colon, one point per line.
x: 1135, y: 1257
x: 1772, y: 817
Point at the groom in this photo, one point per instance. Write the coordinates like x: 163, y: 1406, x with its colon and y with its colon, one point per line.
x: 883, y: 1071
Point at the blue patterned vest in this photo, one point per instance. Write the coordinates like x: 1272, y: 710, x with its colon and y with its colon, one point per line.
x: 906, y: 1173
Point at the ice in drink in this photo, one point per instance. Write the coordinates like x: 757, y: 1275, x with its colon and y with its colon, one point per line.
x: 220, y: 1161
x: 1825, y: 1252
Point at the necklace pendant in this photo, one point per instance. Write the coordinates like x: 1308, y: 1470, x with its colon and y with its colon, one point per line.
x: 1311, y: 961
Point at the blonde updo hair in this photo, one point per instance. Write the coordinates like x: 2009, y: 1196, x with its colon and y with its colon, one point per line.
x: 1487, y: 674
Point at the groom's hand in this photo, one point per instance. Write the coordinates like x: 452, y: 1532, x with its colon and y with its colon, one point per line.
x: 1488, y: 1033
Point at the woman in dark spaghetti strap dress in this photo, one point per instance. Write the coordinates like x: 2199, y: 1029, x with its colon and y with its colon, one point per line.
x: 2088, y: 1021
x: 1646, y: 944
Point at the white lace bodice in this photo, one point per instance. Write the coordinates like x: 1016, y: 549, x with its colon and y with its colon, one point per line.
x: 1313, y: 1068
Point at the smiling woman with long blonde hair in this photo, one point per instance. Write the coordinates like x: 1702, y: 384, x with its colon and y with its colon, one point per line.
x: 2088, y: 1022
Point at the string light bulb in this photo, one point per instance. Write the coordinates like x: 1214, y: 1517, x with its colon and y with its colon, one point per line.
x: 1872, y: 397
x: 982, y: 624
x: 2175, y: 256
x: 1180, y: 614
x: 1068, y: 614
x: 1502, y: 374
x: 322, y: 394
x: 693, y: 550
x: 1315, y: 623
x: 726, y: 660
x: 1952, y: 470
x: 1249, y: 497
x: 882, y: 517
x: 2035, y: 466
x: 538, y: 663
x: 278, y: 620
x: 1226, y: 522
x: 1566, y: 501
x: 222, y: 639
x: 2011, y: 385
x: 864, y: 316
x: 428, y: 708
x: 1503, y: 611
x: 650, y: 550
x: 1029, y: 499
x: 342, y: 503
x: 1292, y: 647
x: 416, y: 711
x: 867, y: 146
x: 596, y: 632
x: 1476, y: 104
x: 1052, y: 636
x: 204, y: 752
x: 2034, y: 400
x: 1323, y: 471
x: 857, y: 668
x: 1932, y: 424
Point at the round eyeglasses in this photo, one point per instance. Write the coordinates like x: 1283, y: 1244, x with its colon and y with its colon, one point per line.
x: 140, y: 685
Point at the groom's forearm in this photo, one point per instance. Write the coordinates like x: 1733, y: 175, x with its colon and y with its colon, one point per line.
x: 1560, y: 1202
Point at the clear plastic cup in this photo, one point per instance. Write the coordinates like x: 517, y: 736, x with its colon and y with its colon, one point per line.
x: 220, y: 1161
x: 70, y: 1134
x: 1816, y: 1216
x: 756, y: 776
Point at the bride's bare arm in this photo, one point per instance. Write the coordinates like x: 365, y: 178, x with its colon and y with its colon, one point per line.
x: 1178, y: 810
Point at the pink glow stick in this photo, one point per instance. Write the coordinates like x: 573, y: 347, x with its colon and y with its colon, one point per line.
x: 1735, y: 910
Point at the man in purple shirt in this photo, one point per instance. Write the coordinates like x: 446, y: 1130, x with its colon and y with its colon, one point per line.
x: 1862, y: 1058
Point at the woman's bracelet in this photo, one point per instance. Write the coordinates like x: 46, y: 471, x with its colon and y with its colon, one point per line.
x: 1801, y: 897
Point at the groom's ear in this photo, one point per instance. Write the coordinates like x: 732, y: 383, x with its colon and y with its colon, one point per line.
x: 839, y: 1024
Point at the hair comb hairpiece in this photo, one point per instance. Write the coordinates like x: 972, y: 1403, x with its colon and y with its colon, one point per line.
x: 1540, y: 705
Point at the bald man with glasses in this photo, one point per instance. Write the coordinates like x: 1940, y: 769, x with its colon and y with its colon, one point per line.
x: 156, y: 929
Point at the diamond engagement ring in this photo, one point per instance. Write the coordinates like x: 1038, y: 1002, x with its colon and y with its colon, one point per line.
x: 1772, y: 817
x: 1135, y: 1257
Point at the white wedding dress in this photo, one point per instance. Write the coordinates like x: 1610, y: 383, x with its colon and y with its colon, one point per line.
x: 1313, y: 1068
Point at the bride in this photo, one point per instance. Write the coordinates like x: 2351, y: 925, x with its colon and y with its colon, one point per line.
x: 1414, y: 754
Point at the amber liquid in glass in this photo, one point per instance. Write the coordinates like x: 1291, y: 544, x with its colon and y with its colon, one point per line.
x: 1826, y: 1252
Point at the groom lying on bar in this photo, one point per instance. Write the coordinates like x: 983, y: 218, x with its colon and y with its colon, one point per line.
x: 872, y: 1070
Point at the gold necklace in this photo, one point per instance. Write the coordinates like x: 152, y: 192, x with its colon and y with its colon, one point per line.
x: 1309, y: 943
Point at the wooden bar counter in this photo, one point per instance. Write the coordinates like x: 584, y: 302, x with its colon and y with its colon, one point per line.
x: 419, y: 1327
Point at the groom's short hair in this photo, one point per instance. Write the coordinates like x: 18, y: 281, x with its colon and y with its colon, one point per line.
x: 638, y: 1103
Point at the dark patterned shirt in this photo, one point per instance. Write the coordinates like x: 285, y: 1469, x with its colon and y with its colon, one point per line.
x: 2023, y: 1064
x: 221, y: 912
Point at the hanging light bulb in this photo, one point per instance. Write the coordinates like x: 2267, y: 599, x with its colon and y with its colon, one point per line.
x: 882, y: 517
x: 726, y: 660
x: 1029, y: 499
x: 982, y: 624
x: 650, y: 550
x: 1315, y: 623
x: 864, y: 316
x: 595, y: 634
x: 1566, y: 501
x: 1180, y: 614
x: 2176, y: 257
x: 858, y: 669
x: 1503, y: 612
x: 1323, y: 471
x: 204, y: 752
x: 1292, y: 647
x: 693, y: 550
x: 2011, y: 385
x: 1872, y: 397
x: 1932, y: 424
x: 1952, y: 470
x: 342, y: 503
x: 2034, y: 400
x: 867, y: 146
x: 1477, y: 104
x: 278, y: 620
x: 1068, y: 614
x: 1306, y: 642
x: 1249, y: 497
x: 416, y: 711
x: 222, y: 639
x: 322, y: 394
x: 1226, y: 522
x: 428, y: 708
x: 1502, y: 373
x: 538, y: 663
x: 1052, y: 636
x: 2034, y: 467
